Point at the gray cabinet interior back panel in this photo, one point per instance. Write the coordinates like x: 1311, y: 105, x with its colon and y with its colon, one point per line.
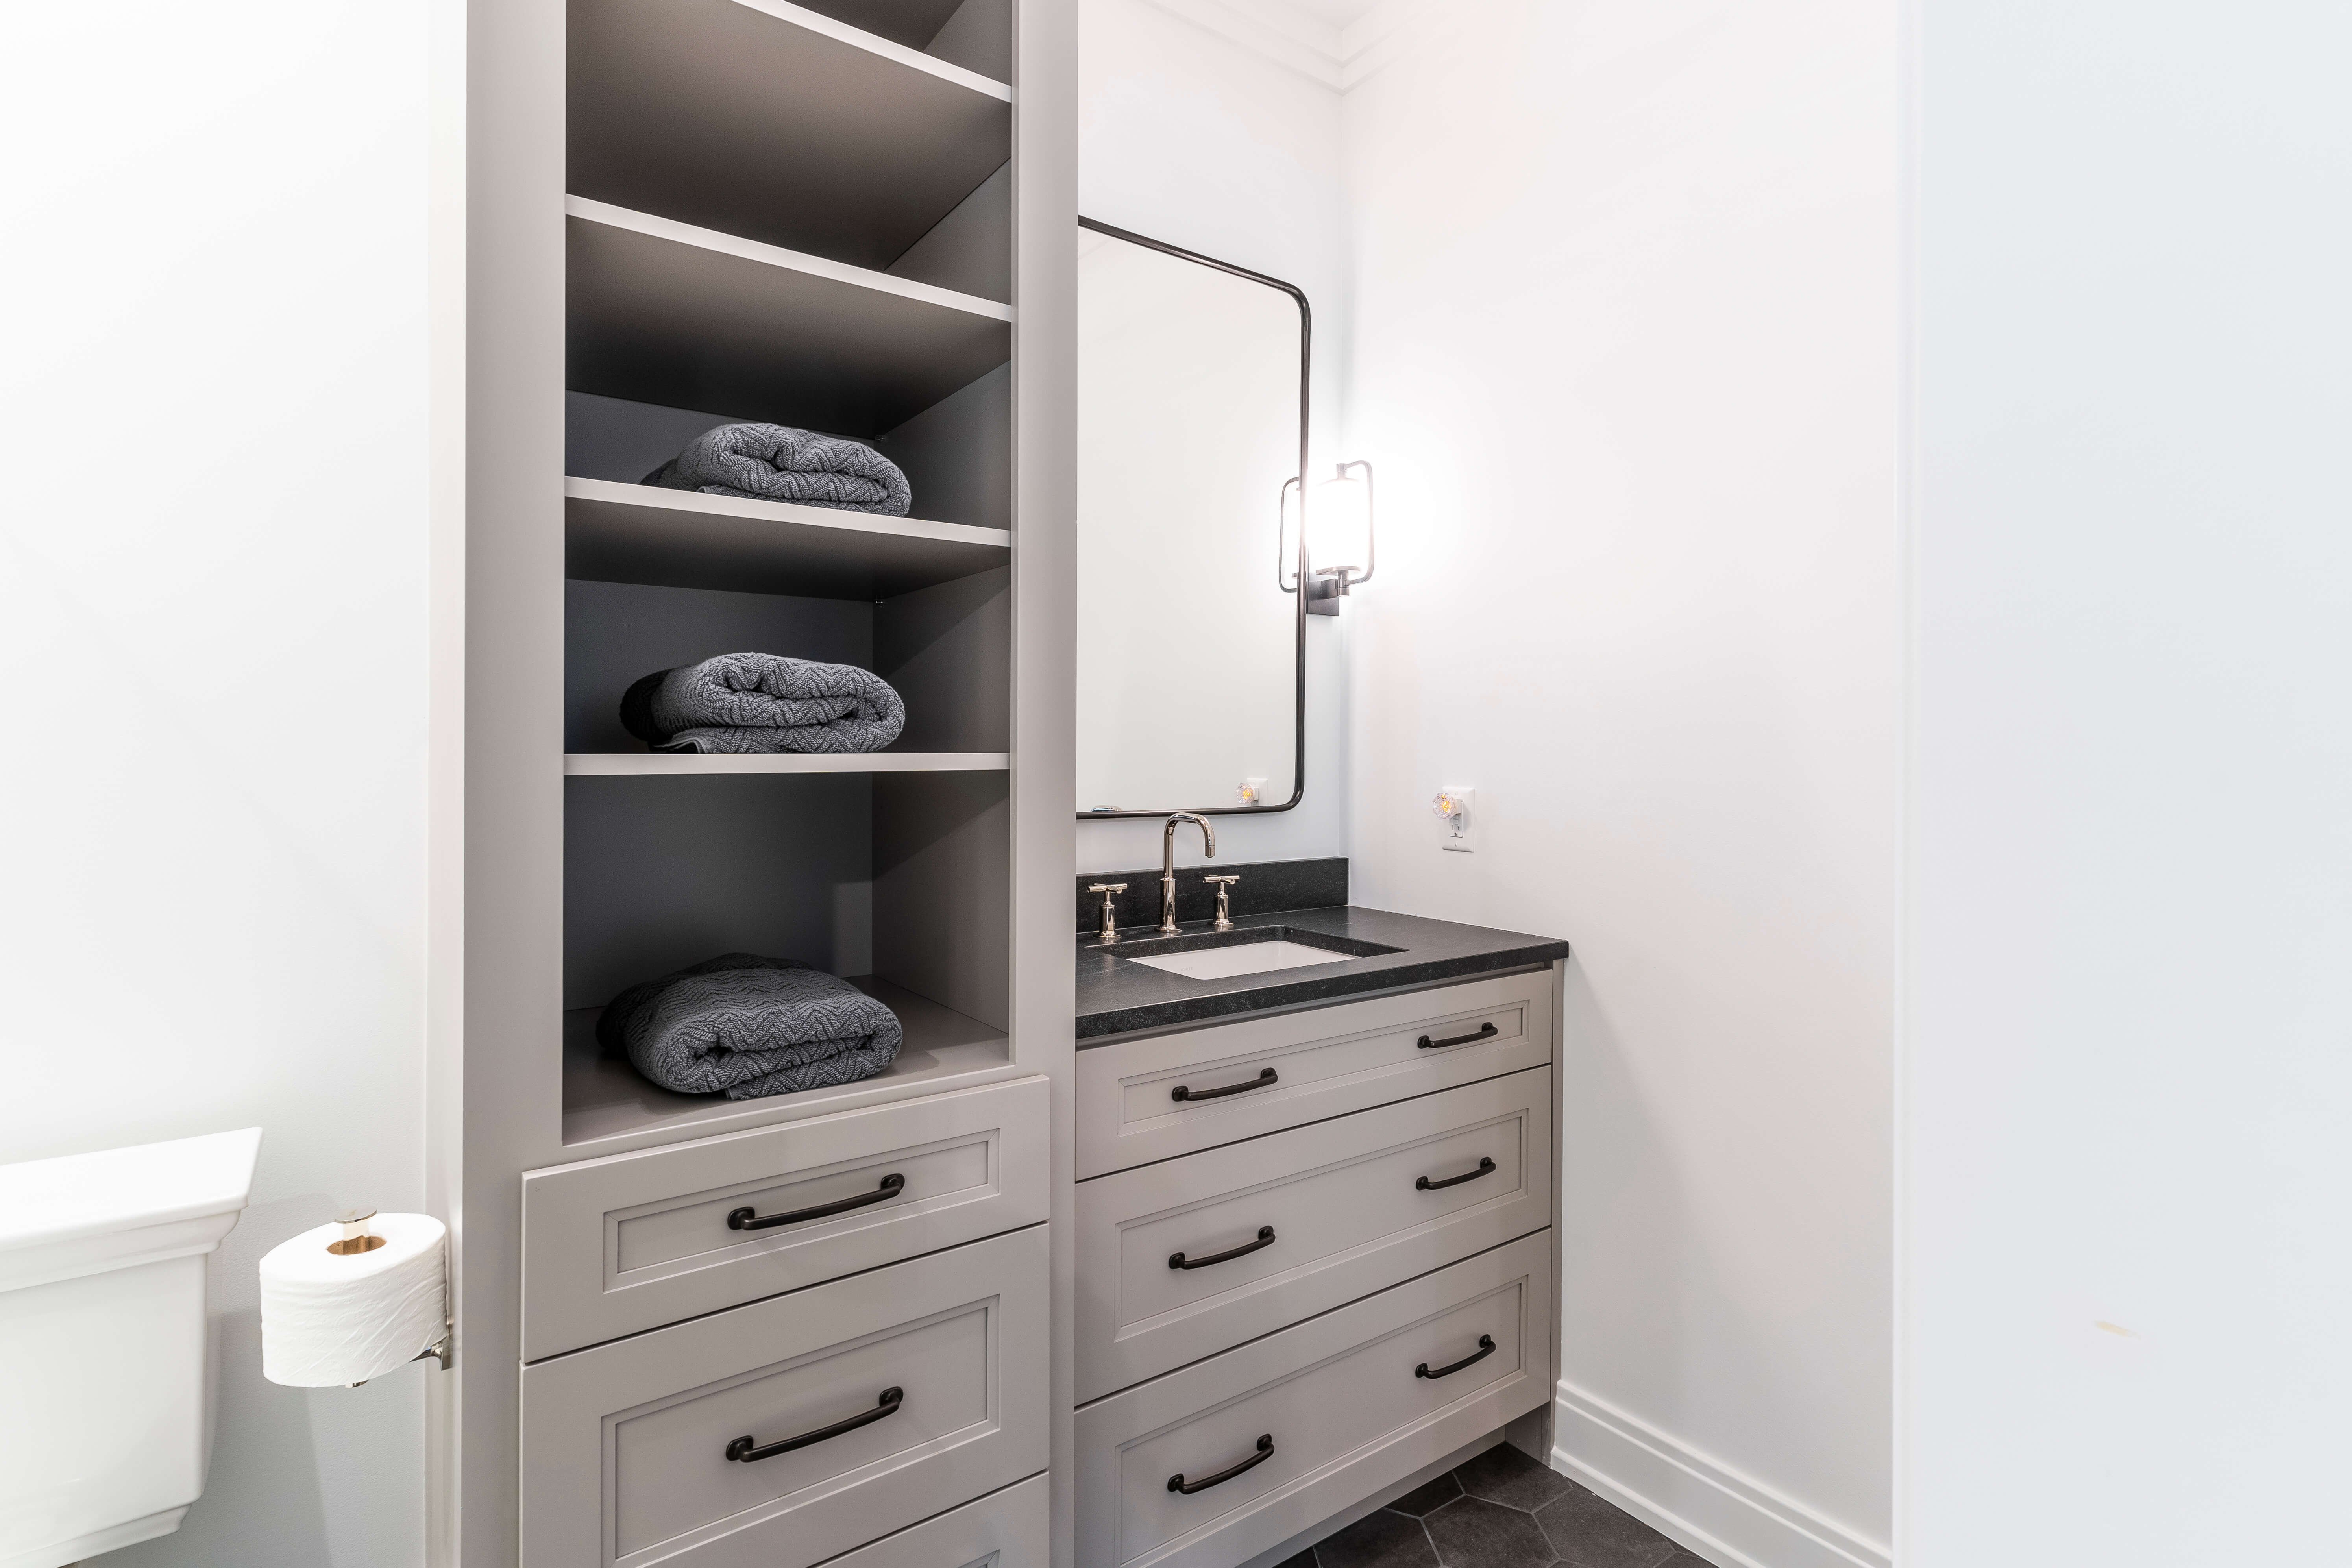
x: 654, y: 318
x: 943, y: 888
x: 955, y: 453
x: 971, y: 249
x: 978, y: 37
x: 706, y: 110
x: 615, y: 632
x: 947, y: 650
x: 664, y: 872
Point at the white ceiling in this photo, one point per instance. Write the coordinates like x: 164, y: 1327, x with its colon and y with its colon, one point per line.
x: 1338, y: 12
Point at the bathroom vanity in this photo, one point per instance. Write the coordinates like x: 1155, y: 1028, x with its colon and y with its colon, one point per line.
x: 1314, y: 1254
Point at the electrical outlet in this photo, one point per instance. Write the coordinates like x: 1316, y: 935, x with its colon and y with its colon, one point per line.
x: 1457, y: 817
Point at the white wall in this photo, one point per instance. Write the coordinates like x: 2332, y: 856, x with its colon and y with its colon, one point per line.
x: 213, y: 624
x: 1187, y: 137
x: 2128, y: 993
x: 1624, y: 351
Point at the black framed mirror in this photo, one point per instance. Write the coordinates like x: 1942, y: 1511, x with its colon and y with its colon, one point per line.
x: 1193, y: 399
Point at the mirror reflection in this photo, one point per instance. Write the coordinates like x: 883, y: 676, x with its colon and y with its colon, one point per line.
x: 1191, y: 420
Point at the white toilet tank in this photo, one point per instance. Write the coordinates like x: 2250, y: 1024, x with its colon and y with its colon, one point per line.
x: 106, y: 1408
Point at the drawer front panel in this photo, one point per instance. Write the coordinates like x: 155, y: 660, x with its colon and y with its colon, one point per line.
x: 1313, y: 1217
x: 633, y: 1451
x: 618, y: 1245
x: 1326, y: 1061
x: 1004, y: 1529
x: 1341, y: 1401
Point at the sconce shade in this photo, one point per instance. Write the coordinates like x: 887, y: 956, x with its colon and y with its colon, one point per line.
x: 1340, y: 525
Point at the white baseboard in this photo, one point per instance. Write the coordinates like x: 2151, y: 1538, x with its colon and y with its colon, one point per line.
x: 1729, y: 1519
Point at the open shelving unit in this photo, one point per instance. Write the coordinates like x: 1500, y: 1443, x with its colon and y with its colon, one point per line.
x: 778, y: 214
x: 679, y: 214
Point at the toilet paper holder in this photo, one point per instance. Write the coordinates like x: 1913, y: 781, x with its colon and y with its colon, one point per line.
x: 356, y: 1237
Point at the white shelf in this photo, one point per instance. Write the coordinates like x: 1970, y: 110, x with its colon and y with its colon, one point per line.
x: 661, y: 311
x: 608, y: 1102
x: 682, y: 539
x: 765, y: 118
x: 685, y: 764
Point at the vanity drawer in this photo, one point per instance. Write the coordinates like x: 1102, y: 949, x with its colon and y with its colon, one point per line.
x: 1326, y: 1061
x: 625, y: 1447
x: 1003, y: 1530
x: 616, y: 1246
x: 1306, y: 1219
x: 1339, y: 1397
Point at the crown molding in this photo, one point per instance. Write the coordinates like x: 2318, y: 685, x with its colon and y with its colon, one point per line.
x: 1298, y: 40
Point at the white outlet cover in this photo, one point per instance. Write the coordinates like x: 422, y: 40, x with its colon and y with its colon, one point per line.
x: 1461, y: 830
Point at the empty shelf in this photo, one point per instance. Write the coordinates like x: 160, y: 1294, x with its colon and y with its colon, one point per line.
x: 682, y: 539
x: 689, y: 764
x: 769, y: 120
x: 658, y: 311
x: 609, y: 1100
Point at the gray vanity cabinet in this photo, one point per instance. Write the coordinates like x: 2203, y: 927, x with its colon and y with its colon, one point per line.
x: 1325, y: 1062
x: 1334, y: 1210
x: 788, y: 1431
x: 1301, y: 1294
x: 1347, y: 1400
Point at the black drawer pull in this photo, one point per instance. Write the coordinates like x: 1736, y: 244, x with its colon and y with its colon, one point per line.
x: 1177, y: 1483
x: 1265, y: 1238
x: 1485, y: 1347
x: 746, y: 1450
x: 750, y: 1219
x: 1485, y: 1168
x: 1260, y: 1081
x: 1484, y: 1031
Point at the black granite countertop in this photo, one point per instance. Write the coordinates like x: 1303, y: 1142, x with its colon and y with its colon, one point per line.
x: 1385, y: 952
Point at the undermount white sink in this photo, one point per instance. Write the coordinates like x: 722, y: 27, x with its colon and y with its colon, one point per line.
x: 1246, y: 958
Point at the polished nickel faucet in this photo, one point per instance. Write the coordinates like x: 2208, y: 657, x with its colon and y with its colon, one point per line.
x: 1168, y: 865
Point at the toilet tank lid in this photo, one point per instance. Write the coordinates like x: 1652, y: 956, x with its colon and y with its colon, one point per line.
x: 47, y: 1201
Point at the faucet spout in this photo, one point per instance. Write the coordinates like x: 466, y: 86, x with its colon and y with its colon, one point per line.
x: 1168, y: 863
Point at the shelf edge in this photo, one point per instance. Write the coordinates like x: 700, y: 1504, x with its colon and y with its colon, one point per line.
x: 617, y: 492
x: 874, y: 44
x: 605, y: 213
x: 674, y: 765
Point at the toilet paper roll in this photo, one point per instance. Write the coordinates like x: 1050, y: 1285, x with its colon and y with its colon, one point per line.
x: 330, y: 1319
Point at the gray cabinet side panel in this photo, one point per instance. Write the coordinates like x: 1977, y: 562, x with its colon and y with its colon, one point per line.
x: 1045, y: 584
x: 512, y: 963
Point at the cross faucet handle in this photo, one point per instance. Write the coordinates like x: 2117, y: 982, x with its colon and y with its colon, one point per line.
x: 1224, y: 914
x: 1109, y: 931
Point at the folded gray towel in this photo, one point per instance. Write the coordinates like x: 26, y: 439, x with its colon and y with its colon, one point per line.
x: 775, y: 462
x: 763, y: 702
x: 743, y: 1026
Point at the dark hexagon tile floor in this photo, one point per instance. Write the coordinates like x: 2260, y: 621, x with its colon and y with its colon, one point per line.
x: 1500, y: 1510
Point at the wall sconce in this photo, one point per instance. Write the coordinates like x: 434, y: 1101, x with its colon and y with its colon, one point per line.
x: 1339, y: 537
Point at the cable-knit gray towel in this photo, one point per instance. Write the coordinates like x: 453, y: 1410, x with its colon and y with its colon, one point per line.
x: 775, y: 462
x: 743, y: 1026
x: 763, y: 702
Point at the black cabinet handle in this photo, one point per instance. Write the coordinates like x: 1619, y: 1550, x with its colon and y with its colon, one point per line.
x: 747, y: 1451
x: 749, y: 1219
x: 1265, y: 1238
x: 1260, y: 1081
x: 1483, y: 1031
x: 1177, y: 1483
x: 1485, y: 1347
x: 1485, y: 1168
